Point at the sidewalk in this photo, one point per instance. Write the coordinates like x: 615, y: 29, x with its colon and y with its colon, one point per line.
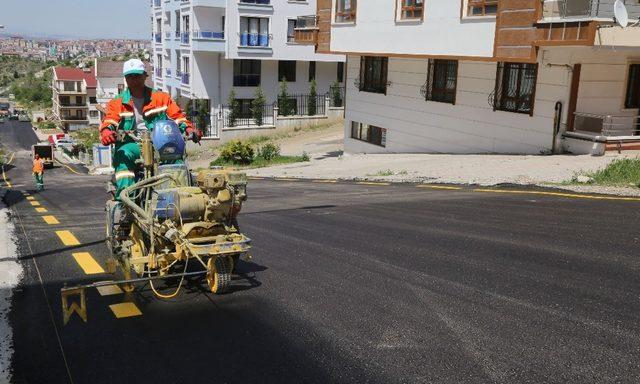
x: 456, y: 169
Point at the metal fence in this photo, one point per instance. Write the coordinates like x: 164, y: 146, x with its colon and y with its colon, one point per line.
x: 607, y: 124
x: 301, y: 105
x: 242, y: 116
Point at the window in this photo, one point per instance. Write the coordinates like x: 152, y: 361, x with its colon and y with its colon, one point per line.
x: 246, y: 73
x: 346, y: 11
x: 93, y: 100
x: 254, y: 32
x: 69, y: 86
x: 411, y: 9
x: 632, y: 99
x: 482, y: 7
x: 369, y: 133
x: 93, y: 114
x: 442, y: 79
x: 291, y: 30
x: 340, y: 72
x: 245, y: 108
x: 64, y: 100
x: 79, y: 100
x: 515, y: 87
x: 373, y: 74
x: 312, y: 70
x: 287, y: 70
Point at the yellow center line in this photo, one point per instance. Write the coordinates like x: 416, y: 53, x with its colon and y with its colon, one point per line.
x: 35, y: 203
x: 372, y: 183
x: 68, y: 167
x: 88, y: 264
x: 4, y: 177
x: 122, y: 310
x: 51, y: 220
x: 31, y: 198
x: 109, y: 290
x: 559, y: 194
x: 439, y: 187
x: 67, y: 238
x: 41, y: 210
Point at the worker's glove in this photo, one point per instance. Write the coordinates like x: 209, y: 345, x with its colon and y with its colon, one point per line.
x: 193, y: 134
x: 107, y: 136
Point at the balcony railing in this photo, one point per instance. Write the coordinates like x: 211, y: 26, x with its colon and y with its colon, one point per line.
x: 176, y: 35
x: 254, y: 40
x: 178, y: 74
x: 167, y: 72
x: 208, y: 35
x: 158, y: 38
x: 581, y: 9
x: 184, y: 38
x: 185, y: 78
x: 74, y: 118
x: 157, y: 3
x: 255, y: 1
x: 158, y: 72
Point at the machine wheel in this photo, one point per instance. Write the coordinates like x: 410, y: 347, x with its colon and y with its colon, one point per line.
x: 219, y: 274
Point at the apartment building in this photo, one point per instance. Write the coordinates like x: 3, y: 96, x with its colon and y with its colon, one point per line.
x: 484, y: 76
x: 203, y: 49
x: 109, y: 79
x: 74, y: 97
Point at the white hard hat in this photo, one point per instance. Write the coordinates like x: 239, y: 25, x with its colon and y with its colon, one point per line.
x: 133, y: 67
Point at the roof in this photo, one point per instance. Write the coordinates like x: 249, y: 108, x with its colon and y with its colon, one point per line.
x: 76, y: 74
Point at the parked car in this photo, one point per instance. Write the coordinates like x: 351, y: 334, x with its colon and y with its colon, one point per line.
x: 24, y: 117
x: 65, y: 143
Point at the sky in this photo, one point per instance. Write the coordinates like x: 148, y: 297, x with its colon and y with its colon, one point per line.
x: 76, y: 18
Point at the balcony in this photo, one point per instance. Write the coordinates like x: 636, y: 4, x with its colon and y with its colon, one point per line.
x: 306, y: 31
x: 184, y: 38
x: 184, y: 79
x: 73, y: 118
x: 208, y: 41
x: 584, y: 10
x: 157, y: 3
x: 259, y: 2
x: 72, y: 105
x: 209, y: 3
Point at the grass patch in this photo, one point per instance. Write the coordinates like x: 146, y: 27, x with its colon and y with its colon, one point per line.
x: 621, y: 172
x: 86, y: 138
x: 260, y: 162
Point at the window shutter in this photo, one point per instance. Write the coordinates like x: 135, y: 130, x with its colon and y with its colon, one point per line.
x: 383, y: 76
x: 362, y: 72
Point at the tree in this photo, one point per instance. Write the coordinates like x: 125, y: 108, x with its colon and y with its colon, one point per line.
x: 202, y: 120
x: 313, y: 99
x: 234, y: 109
x: 257, y: 107
x: 16, y: 74
x: 285, y: 105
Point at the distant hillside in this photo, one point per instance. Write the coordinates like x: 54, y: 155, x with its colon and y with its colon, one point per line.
x: 18, y: 76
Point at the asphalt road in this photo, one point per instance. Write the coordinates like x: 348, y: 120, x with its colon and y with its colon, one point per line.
x: 348, y: 283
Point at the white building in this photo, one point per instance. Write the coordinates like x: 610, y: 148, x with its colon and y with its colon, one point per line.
x: 74, y: 97
x: 202, y: 49
x: 484, y: 76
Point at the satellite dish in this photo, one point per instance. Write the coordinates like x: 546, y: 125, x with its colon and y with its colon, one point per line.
x: 621, y: 16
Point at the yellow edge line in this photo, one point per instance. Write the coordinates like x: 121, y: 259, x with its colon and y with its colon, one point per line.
x: 371, y: 183
x: 68, y: 167
x: 325, y: 181
x: 11, y: 159
x: 285, y: 179
x: 439, y: 187
x: 255, y: 178
x: 560, y: 194
x: 34, y: 203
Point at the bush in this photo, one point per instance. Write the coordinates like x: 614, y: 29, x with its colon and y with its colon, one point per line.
x: 269, y: 151
x: 235, y: 110
x: 336, y: 97
x: 237, y: 152
x: 305, y: 156
x: 286, y: 105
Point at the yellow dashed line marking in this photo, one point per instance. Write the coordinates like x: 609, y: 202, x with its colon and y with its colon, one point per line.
x: 51, y: 220
x: 371, y: 183
x: 560, y: 194
x: 286, y: 179
x: 88, y: 264
x: 109, y: 290
x: 31, y: 198
x: 325, y: 181
x: 34, y: 203
x: 125, y: 310
x: 41, y: 210
x: 439, y: 187
x: 67, y: 238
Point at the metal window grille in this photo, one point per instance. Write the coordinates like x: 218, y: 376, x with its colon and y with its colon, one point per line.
x: 515, y: 87
x: 442, y: 81
x: 373, y: 74
x: 412, y: 9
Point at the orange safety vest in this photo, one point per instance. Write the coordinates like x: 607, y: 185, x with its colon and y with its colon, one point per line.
x: 38, y: 166
x: 158, y: 106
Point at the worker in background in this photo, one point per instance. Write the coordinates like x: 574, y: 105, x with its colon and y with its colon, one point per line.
x: 38, y: 172
x: 138, y: 107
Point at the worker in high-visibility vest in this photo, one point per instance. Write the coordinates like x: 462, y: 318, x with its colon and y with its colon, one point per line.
x: 38, y: 172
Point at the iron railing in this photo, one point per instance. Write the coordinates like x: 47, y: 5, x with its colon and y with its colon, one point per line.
x: 158, y: 37
x: 184, y: 38
x: 255, y: 1
x: 607, y: 124
x: 184, y: 78
x: 307, y: 22
x: 243, y: 116
x: 301, y: 105
x: 255, y: 39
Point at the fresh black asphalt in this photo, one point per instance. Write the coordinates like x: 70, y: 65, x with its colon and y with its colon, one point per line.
x: 348, y: 283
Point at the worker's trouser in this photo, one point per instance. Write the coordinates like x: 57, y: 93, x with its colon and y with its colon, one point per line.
x: 124, y: 164
x: 39, y: 179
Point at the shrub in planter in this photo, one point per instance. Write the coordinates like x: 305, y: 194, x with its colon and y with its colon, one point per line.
x: 269, y: 151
